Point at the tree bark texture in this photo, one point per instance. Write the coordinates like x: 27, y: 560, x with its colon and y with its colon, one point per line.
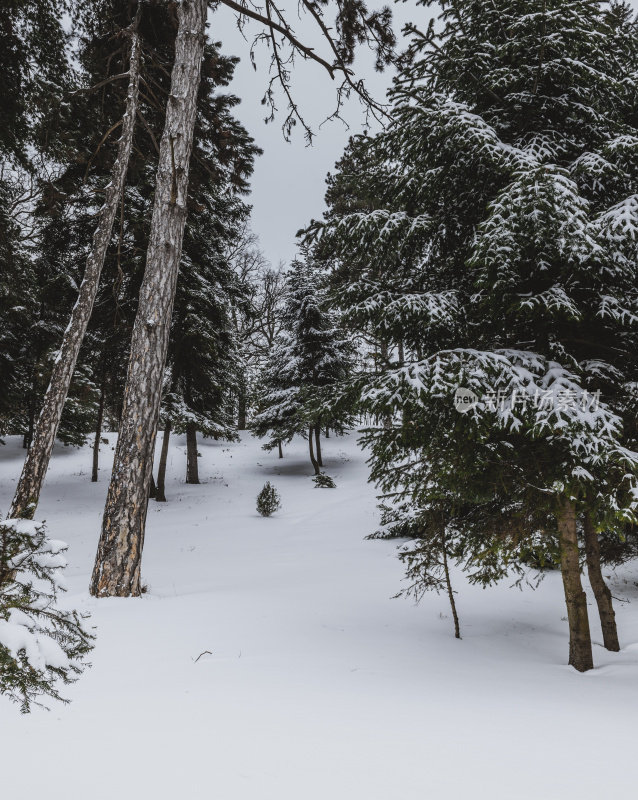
x: 160, y: 492
x: 599, y: 587
x: 318, y: 445
x: 98, y: 435
x: 117, y: 565
x: 580, y: 652
x: 192, y: 472
x: 315, y: 463
x: 36, y: 464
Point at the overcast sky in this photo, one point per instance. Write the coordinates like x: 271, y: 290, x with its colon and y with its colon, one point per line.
x: 289, y: 181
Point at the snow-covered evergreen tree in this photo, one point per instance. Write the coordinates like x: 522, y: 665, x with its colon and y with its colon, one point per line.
x: 311, y: 356
x: 491, y: 232
x: 41, y: 644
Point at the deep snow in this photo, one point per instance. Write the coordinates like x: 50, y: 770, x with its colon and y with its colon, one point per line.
x: 318, y: 684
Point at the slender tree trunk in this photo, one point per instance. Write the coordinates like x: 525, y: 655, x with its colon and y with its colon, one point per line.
x: 98, y: 434
x: 36, y: 464
x: 599, y: 587
x: 448, y: 584
x: 327, y: 432
x: 315, y: 463
x: 160, y: 492
x: 580, y: 652
x: 318, y: 445
x: 385, y: 360
x: 117, y: 563
x: 192, y: 471
x: 152, y: 489
x: 281, y: 452
x: 241, y: 407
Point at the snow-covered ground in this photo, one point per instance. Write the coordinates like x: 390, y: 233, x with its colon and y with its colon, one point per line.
x: 317, y: 684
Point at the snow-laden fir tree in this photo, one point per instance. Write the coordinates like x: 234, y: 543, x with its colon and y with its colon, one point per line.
x: 309, y: 359
x: 490, y: 233
x: 42, y: 644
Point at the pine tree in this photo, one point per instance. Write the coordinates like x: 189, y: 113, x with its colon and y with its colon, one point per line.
x: 491, y: 236
x: 310, y: 358
x: 117, y: 563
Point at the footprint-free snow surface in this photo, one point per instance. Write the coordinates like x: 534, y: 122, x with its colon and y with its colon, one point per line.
x: 268, y: 659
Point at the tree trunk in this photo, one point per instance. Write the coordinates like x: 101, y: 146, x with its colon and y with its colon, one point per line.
x: 315, y: 463
x: 580, y: 652
x: 98, y: 434
x: 192, y: 472
x: 160, y: 492
x: 117, y: 564
x: 36, y: 464
x: 318, y: 445
x: 281, y: 452
x: 327, y: 432
x: 385, y: 361
x: 152, y: 489
x: 599, y: 587
x: 448, y: 584
x: 241, y: 407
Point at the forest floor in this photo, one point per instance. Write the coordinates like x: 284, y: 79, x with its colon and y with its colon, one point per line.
x: 268, y: 659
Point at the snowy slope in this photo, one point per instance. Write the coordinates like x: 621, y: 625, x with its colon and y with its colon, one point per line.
x: 318, y: 685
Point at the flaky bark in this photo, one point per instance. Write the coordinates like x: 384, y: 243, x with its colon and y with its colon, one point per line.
x: 315, y: 463
x: 117, y: 564
x: 160, y: 492
x: 192, y: 471
x: 36, y: 464
x: 599, y: 587
x: 580, y: 652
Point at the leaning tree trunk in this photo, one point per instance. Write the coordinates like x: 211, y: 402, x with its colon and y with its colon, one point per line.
x: 98, y: 434
x: 315, y: 463
x: 448, y: 586
x: 599, y: 587
x: 117, y: 563
x: 580, y: 652
x: 36, y: 464
x: 318, y: 445
x: 160, y: 492
x: 192, y: 472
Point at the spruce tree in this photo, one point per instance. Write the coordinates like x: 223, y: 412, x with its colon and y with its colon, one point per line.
x: 309, y: 359
x: 491, y: 234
